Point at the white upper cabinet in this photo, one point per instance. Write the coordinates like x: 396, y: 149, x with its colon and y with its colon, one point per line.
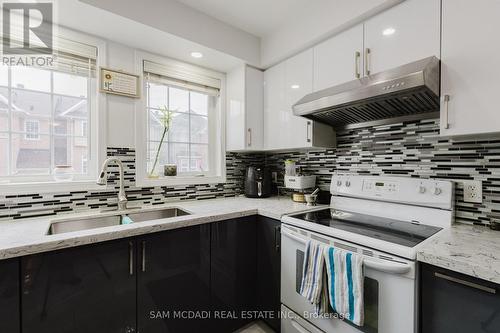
x: 284, y: 85
x: 298, y: 83
x: 469, y: 67
x: 274, y: 107
x: 245, y: 115
x: 404, y: 33
x: 339, y: 59
x: 254, y: 97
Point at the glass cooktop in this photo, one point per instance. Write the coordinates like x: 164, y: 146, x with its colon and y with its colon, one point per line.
x: 394, y: 231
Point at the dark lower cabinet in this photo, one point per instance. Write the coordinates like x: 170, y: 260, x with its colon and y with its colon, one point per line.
x: 233, y: 273
x: 269, y: 269
x: 9, y: 296
x: 454, y: 303
x: 88, y: 289
x: 195, y: 279
x: 173, y: 285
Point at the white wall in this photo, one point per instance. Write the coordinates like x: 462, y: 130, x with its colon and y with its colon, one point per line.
x: 323, y: 19
x: 120, y: 110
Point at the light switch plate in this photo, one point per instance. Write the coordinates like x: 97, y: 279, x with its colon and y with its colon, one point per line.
x: 473, y: 191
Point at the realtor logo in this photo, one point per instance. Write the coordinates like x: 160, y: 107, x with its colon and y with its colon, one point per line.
x: 27, y: 28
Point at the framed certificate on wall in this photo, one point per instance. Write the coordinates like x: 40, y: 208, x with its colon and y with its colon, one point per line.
x: 119, y: 83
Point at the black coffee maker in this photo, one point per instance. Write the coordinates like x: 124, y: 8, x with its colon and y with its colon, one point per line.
x: 258, y: 182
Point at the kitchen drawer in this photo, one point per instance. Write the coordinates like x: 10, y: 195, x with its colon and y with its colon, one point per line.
x: 456, y: 303
x: 293, y: 323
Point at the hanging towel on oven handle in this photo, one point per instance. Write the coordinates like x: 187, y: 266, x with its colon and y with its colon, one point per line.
x: 314, y: 277
x: 345, y: 279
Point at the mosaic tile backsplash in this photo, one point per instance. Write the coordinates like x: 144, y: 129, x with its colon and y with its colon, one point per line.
x: 32, y: 205
x: 412, y: 149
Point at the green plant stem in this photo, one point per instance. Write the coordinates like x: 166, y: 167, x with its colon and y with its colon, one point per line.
x: 158, y: 151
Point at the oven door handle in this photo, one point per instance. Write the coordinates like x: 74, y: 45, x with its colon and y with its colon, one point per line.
x: 385, y: 266
x: 292, y: 236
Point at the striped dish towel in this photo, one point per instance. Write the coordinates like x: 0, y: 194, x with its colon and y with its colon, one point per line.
x: 314, y: 275
x: 345, y: 283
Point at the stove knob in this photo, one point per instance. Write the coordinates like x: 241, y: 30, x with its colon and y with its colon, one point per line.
x: 421, y: 189
x: 437, y: 191
x: 339, y: 183
x: 347, y: 183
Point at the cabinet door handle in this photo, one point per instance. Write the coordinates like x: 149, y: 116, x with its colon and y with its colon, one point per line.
x: 446, y: 120
x: 357, y: 58
x: 308, y: 130
x: 249, y: 137
x: 131, y: 258
x: 465, y: 283
x: 143, y: 263
x: 277, y: 234
x: 27, y: 280
x: 367, y: 60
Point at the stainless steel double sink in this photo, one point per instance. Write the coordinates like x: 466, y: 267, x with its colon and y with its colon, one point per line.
x: 85, y: 223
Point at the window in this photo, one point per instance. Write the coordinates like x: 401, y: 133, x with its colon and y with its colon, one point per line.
x: 45, y: 114
x: 31, y: 129
x: 186, y: 143
x: 193, y: 141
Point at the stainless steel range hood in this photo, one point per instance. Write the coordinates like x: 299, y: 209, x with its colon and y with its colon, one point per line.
x: 404, y: 93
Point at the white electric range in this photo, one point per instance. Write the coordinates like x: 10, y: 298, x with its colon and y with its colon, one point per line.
x: 384, y: 219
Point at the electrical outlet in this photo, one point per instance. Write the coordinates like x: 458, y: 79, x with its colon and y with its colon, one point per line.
x: 473, y: 191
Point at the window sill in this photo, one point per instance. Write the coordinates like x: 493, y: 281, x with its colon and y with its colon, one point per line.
x: 180, y: 180
x: 48, y: 187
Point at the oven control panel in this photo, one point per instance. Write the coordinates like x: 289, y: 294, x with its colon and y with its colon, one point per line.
x: 416, y: 191
x: 374, y: 186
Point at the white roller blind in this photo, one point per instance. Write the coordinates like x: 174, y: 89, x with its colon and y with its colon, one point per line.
x: 182, y: 75
x: 181, y: 84
x: 62, y: 45
x: 70, y: 62
x: 75, y: 48
x: 69, y: 56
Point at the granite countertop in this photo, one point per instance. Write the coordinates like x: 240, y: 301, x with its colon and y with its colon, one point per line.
x: 25, y: 237
x: 471, y: 250
x: 466, y: 249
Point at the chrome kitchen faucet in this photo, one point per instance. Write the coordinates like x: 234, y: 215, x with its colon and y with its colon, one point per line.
x: 102, y: 180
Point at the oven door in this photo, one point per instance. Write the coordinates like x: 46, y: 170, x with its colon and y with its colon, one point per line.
x: 389, y: 287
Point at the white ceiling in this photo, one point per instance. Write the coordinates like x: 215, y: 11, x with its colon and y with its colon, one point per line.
x: 228, y: 32
x: 177, y: 19
x: 286, y: 27
x: 258, y: 17
x: 75, y: 14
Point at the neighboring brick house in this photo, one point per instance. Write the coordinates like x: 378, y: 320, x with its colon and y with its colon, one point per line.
x: 31, y: 137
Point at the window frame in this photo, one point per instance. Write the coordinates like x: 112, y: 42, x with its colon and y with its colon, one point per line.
x: 84, y: 128
x: 28, y: 134
x: 209, y: 144
x: 97, y: 139
x: 84, y: 161
x: 217, y: 122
